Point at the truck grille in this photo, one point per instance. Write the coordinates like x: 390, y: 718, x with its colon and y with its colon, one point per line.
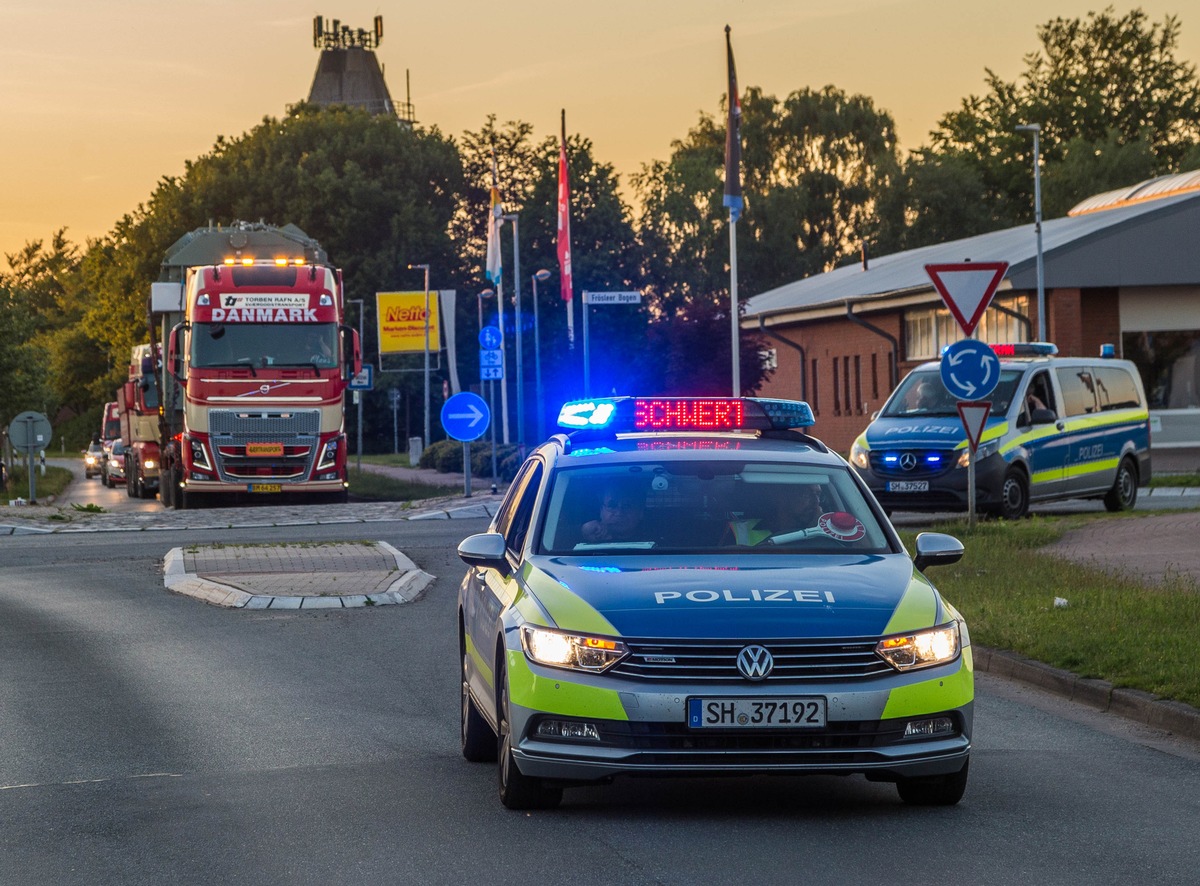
x: 295, y: 431
x: 712, y: 661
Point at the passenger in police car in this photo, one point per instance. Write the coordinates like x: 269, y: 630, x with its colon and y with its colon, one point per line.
x: 622, y: 508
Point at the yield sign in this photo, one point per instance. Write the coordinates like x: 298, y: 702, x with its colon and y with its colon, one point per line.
x: 967, y: 288
x: 974, y: 415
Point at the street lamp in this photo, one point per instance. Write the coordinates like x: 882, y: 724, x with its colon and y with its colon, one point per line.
x: 489, y: 293
x: 543, y: 275
x: 425, y: 268
x: 1036, y: 129
x: 517, y: 302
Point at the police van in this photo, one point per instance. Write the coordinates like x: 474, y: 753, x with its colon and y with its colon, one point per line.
x: 1059, y: 428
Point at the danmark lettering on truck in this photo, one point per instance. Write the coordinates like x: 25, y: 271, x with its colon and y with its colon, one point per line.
x: 264, y: 315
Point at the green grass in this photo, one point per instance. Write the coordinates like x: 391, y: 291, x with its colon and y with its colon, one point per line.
x: 398, y: 460
x: 1115, y: 627
x: 1168, y: 480
x: 53, y: 483
x: 369, y: 486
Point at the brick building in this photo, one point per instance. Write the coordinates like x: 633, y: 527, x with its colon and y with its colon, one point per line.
x: 1123, y: 268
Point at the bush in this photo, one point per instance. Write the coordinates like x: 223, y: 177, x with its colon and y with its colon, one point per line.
x: 445, y: 456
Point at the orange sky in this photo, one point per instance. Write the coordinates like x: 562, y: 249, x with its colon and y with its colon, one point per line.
x: 102, y: 98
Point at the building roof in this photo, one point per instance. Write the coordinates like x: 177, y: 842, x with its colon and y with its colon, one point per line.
x: 1128, y: 244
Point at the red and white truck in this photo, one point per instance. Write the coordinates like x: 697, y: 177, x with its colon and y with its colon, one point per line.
x: 110, y: 422
x: 258, y: 357
x: 137, y: 409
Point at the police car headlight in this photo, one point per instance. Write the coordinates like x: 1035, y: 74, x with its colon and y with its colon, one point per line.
x: 858, y: 455
x: 558, y: 649
x: 981, y: 452
x: 922, y: 649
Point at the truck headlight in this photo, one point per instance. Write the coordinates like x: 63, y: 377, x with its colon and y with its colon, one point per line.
x: 921, y: 649
x: 858, y: 456
x: 559, y: 649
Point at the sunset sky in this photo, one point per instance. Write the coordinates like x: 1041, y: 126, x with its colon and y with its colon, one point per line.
x: 100, y: 99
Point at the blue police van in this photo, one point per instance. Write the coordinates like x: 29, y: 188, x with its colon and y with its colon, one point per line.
x: 1059, y: 428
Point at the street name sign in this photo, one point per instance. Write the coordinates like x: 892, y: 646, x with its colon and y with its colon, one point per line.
x: 612, y: 298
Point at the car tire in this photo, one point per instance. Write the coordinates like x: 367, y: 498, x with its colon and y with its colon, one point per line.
x: 1124, y: 492
x: 479, y: 743
x: 934, y: 790
x: 1014, y: 495
x: 517, y: 790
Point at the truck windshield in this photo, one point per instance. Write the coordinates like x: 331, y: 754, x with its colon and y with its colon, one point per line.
x: 258, y: 345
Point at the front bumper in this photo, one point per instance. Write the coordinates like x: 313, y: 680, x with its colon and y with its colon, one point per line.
x: 864, y: 731
x: 947, y: 490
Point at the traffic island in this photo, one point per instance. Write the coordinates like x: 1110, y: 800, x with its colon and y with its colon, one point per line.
x: 336, y: 575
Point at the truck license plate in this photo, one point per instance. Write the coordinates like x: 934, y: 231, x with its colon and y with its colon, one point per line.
x: 797, y: 712
x: 261, y: 450
x: 266, y: 487
x: 908, y: 486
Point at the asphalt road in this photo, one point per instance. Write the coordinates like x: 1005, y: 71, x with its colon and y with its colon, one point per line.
x: 149, y: 738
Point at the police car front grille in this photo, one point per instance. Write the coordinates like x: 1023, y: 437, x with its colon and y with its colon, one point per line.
x: 921, y: 469
x: 715, y: 661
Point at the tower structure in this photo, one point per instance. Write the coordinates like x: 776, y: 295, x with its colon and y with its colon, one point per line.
x: 348, y: 73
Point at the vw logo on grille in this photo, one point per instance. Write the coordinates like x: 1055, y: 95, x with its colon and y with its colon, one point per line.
x: 755, y: 663
x: 908, y: 461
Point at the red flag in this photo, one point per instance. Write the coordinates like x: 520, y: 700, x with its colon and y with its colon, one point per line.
x: 564, y: 216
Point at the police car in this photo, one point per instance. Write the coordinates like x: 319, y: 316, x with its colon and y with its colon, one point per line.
x: 698, y: 587
x: 1058, y: 428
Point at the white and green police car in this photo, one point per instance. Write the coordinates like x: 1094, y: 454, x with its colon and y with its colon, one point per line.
x: 645, y: 602
x: 1059, y: 428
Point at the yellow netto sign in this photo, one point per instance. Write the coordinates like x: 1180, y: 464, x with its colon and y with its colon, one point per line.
x: 402, y: 322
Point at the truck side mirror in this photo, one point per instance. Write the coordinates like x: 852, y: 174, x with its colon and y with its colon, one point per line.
x: 351, y: 353
x: 174, y: 356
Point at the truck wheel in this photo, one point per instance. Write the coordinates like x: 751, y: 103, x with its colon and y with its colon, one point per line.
x: 1014, y: 495
x: 1124, y: 492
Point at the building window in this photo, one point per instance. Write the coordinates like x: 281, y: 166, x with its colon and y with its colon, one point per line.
x: 928, y: 330
x: 837, y: 390
x: 816, y: 389
x: 1170, y: 366
x: 858, y: 401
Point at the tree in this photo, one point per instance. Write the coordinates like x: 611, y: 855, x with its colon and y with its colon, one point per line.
x: 814, y: 170
x: 1111, y: 97
x: 377, y: 195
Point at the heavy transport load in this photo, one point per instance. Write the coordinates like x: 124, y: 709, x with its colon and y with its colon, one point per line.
x: 251, y: 320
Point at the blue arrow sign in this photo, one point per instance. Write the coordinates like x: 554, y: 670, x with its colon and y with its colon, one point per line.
x: 970, y: 369
x: 490, y: 337
x: 465, y: 416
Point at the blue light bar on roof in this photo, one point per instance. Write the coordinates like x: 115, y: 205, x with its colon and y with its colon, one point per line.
x: 1025, y: 349
x: 691, y: 414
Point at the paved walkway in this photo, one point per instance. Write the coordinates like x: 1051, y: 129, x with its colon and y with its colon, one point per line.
x: 1155, y: 548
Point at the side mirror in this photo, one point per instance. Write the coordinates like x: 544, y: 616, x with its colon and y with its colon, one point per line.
x: 1043, y: 417
x: 351, y: 353
x: 485, y: 551
x: 936, y: 549
x: 174, y: 357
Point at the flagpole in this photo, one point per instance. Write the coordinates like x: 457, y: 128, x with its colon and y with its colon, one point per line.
x: 564, y: 234
x: 503, y: 361
x: 733, y: 306
x: 733, y: 200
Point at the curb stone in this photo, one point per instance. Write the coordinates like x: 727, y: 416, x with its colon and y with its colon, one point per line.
x: 1131, y: 704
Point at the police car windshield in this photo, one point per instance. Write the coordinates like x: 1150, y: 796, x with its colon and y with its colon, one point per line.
x: 923, y: 393
x: 698, y: 507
